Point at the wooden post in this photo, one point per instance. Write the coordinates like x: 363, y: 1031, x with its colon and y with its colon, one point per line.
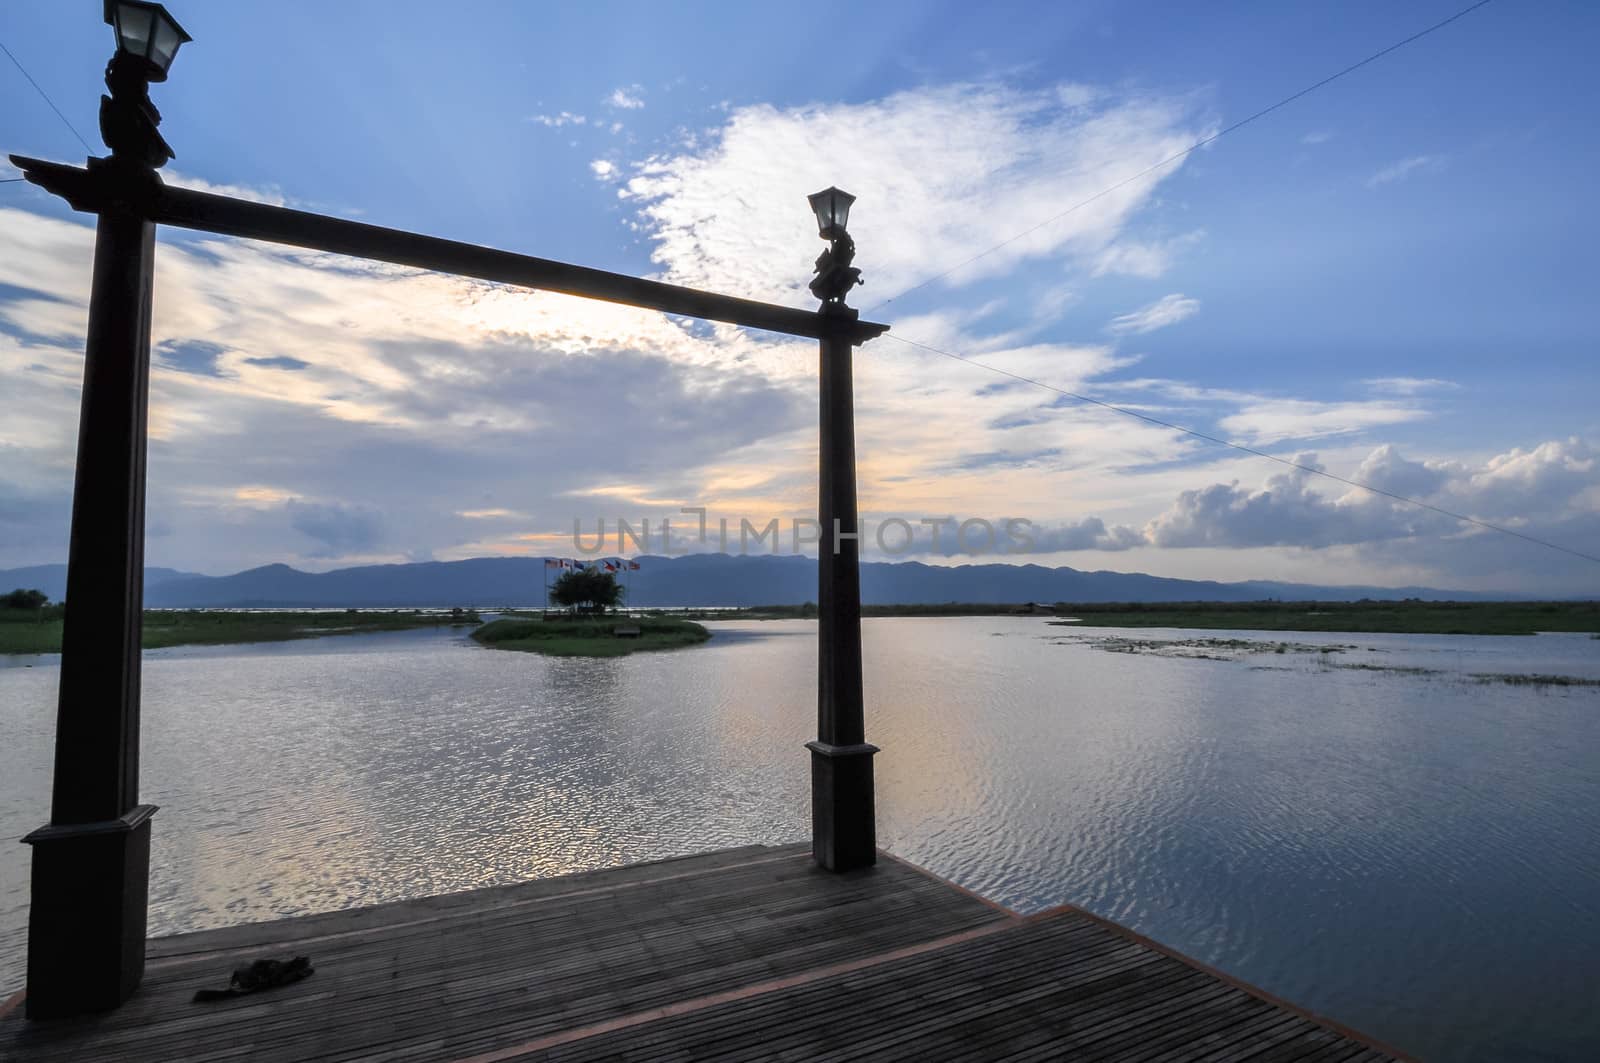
x: 86, y: 924
x: 843, y: 833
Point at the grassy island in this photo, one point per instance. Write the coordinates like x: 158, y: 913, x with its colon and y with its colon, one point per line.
x: 39, y: 631
x: 607, y: 636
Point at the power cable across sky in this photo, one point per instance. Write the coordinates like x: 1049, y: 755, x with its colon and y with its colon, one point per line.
x: 1180, y: 428
x: 1175, y: 156
x: 46, y: 97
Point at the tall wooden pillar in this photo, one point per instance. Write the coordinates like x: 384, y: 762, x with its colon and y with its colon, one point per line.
x: 843, y: 831
x: 86, y: 924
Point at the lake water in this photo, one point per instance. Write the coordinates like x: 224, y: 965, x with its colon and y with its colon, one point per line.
x: 1367, y: 831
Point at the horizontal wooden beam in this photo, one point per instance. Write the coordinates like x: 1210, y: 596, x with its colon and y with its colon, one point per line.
x: 95, y: 189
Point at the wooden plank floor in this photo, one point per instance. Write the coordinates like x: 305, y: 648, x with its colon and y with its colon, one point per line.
x: 739, y: 955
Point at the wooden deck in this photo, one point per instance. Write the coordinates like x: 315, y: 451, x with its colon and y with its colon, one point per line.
x: 737, y: 955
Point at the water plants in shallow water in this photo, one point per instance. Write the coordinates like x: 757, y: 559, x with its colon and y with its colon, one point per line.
x: 1235, y: 650
x: 1196, y: 649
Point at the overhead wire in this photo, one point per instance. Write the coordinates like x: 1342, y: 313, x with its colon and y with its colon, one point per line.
x: 1195, y: 433
x: 1174, y: 157
x: 46, y: 97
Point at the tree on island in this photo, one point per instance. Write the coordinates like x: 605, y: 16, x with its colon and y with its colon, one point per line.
x: 21, y: 599
x: 587, y: 590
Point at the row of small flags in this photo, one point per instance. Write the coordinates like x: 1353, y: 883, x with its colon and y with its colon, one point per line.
x: 617, y: 565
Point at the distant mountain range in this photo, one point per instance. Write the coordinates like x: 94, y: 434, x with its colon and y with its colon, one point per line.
x: 694, y: 579
x: 52, y: 579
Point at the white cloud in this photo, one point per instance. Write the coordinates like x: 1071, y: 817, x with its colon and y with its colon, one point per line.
x: 940, y: 174
x: 1288, y: 510
x: 1168, y: 310
x: 1543, y: 481
x: 1341, y: 533
x: 1403, y: 169
x: 1090, y: 533
x: 270, y: 194
x: 556, y: 121
x: 1317, y: 136
x: 1409, y: 385
x: 1535, y: 491
x: 628, y: 98
x: 1251, y: 417
x: 1148, y: 259
x: 604, y: 169
x: 1272, y: 420
x: 1386, y: 470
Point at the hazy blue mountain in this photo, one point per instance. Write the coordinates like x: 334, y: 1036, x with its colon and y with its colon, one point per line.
x: 52, y: 579
x: 696, y: 579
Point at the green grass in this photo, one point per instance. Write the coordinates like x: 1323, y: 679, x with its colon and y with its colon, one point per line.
x: 590, y: 637
x: 30, y: 630
x: 189, y: 627
x: 1403, y: 617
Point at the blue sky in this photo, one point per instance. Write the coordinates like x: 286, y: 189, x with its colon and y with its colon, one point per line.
x: 1390, y: 277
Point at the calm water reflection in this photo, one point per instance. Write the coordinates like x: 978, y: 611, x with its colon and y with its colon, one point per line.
x: 1415, y: 854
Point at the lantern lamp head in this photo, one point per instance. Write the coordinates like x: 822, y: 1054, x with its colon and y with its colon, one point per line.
x: 146, y: 31
x: 835, y: 276
x: 832, y: 208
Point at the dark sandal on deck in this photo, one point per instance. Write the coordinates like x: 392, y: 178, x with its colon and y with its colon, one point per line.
x: 263, y: 974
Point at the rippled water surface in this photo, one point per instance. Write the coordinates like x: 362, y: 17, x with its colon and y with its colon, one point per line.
x: 1368, y: 831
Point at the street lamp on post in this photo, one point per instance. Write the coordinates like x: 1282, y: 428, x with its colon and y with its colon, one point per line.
x: 91, y: 862
x: 148, y: 39
x: 843, y: 830
x: 834, y: 274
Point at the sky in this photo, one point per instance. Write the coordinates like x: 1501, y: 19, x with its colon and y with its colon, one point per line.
x: 1390, y: 279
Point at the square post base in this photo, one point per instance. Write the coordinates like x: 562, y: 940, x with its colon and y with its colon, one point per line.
x: 86, y: 921
x: 843, y: 818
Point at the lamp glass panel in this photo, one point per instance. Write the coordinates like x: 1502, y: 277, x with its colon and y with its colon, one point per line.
x: 841, y: 208
x: 165, y: 44
x: 133, y: 28
x: 832, y: 208
x: 819, y: 207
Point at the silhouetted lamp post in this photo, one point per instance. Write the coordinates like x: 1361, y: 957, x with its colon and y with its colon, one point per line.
x: 86, y: 922
x: 843, y: 833
x: 835, y: 276
x: 148, y: 39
